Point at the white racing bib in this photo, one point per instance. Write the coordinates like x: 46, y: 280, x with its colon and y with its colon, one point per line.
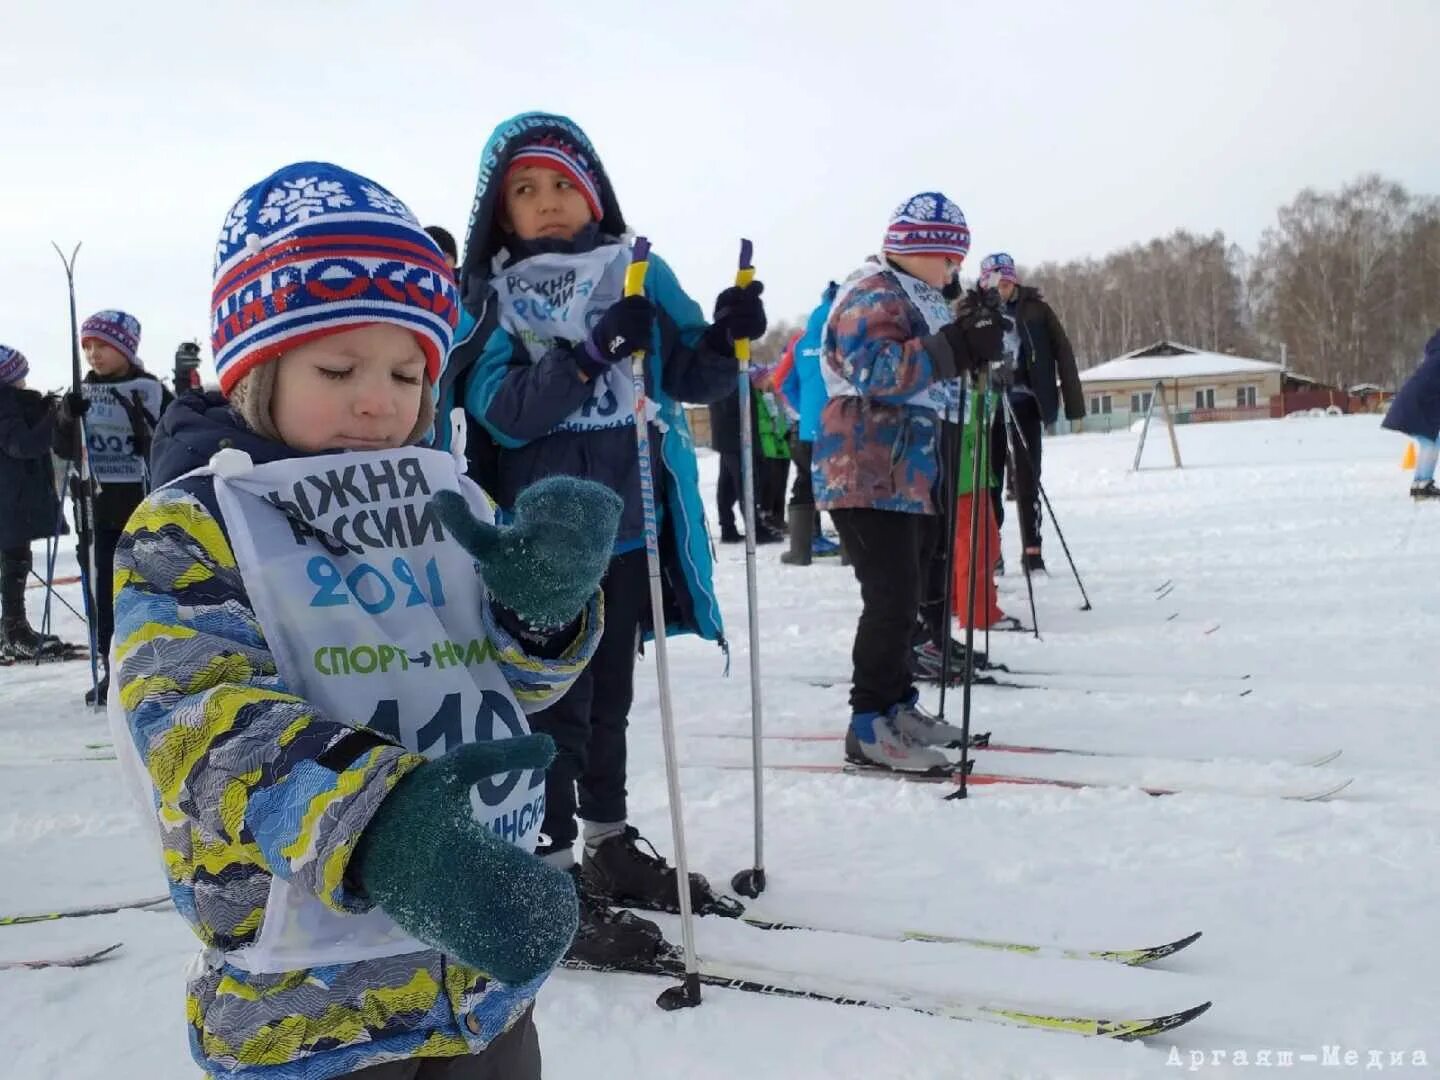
x: 373, y: 615
x: 109, y: 435
x: 560, y: 297
x: 942, y: 397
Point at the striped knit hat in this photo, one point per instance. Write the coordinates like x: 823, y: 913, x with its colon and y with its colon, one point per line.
x: 114, y: 328
x: 314, y: 249
x: 997, y: 268
x: 550, y: 151
x: 13, y: 365
x: 928, y: 224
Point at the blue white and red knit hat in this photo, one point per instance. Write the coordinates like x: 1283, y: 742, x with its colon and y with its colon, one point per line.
x: 114, y: 328
x: 550, y: 151
x: 13, y: 366
x: 928, y: 224
x: 314, y: 249
x: 997, y: 268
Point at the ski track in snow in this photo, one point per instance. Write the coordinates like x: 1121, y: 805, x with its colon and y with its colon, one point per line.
x: 1291, y: 543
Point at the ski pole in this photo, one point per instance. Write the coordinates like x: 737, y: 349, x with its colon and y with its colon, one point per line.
x: 750, y: 882
x: 52, y: 543
x: 50, y: 591
x: 979, y: 389
x: 80, y: 489
x: 687, y: 994
x: 949, y: 488
x: 1054, y: 520
x: 1012, y: 429
x: 982, y: 430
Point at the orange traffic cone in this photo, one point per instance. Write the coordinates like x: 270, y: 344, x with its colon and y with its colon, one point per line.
x: 1408, y: 461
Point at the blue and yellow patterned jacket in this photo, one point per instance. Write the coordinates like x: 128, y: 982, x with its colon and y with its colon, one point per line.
x: 250, y: 783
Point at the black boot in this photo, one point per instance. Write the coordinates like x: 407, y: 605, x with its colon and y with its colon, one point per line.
x: 14, y: 569
x: 607, y: 938
x: 23, y: 643
x: 802, y: 536
x: 101, y: 694
x: 620, y: 871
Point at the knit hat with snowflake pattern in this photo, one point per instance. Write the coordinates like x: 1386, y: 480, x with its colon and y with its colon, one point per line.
x: 997, y: 268
x: 928, y: 224
x: 312, y: 250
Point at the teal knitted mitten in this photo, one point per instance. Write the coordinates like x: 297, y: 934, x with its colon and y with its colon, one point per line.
x: 547, y: 565
x: 452, y: 883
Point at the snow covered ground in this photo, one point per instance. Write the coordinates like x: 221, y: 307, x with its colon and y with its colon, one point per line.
x: 1292, y: 556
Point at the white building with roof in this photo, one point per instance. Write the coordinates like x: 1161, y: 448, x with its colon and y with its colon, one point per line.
x: 1198, y: 385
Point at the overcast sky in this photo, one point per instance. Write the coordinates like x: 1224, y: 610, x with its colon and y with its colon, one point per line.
x: 1062, y: 128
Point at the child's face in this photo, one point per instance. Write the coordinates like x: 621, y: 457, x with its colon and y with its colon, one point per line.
x: 935, y: 270
x: 105, y: 360
x: 542, y: 204
x: 358, y: 390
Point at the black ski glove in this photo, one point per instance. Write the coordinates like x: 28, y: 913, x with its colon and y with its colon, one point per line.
x: 74, y: 405
x: 625, y: 328
x: 739, y: 314
x: 975, y: 339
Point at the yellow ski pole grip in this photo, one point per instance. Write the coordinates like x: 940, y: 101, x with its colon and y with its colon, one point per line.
x: 744, y: 275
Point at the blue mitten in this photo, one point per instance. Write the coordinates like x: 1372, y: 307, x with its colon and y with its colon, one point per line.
x: 452, y: 883
x: 547, y: 565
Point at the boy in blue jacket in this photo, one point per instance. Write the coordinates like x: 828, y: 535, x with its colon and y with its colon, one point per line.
x: 804, y: 388
x: 542, y: 366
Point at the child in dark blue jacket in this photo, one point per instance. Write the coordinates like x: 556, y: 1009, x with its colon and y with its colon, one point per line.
x: 1416, y: 412
x: 29, y: 503
x: 542, y: 368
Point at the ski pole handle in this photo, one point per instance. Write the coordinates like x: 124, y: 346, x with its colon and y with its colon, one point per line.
x: 639, y: 263
x: 635, y: 286
x: 744, y: 275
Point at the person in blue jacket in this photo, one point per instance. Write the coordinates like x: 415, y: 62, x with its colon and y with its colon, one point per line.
x: 804, y: 388
x: 1416, y: 412
x: 542, y: 368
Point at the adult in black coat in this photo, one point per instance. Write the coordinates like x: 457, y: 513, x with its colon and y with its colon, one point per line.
x: 1416, y: 412
x: 29, y: 503
x: 1044, y: 375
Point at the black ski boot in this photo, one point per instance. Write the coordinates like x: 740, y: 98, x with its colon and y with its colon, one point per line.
x: 765, y: 534
x: 610, y: 938
x: 1035, y: 563
x: 23, y: 643
x: 99, y: 695
x: 1425, y: 490
x: 620, y: 871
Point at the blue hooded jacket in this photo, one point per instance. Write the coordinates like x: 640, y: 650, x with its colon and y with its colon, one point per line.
x: 804, y: 387
x: 513, y: 400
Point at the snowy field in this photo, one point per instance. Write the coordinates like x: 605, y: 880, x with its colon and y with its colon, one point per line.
x: 1292, y: 556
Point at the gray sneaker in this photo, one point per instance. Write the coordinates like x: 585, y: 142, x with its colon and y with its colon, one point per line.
x: 875, y: 740
x: 920, y: 727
